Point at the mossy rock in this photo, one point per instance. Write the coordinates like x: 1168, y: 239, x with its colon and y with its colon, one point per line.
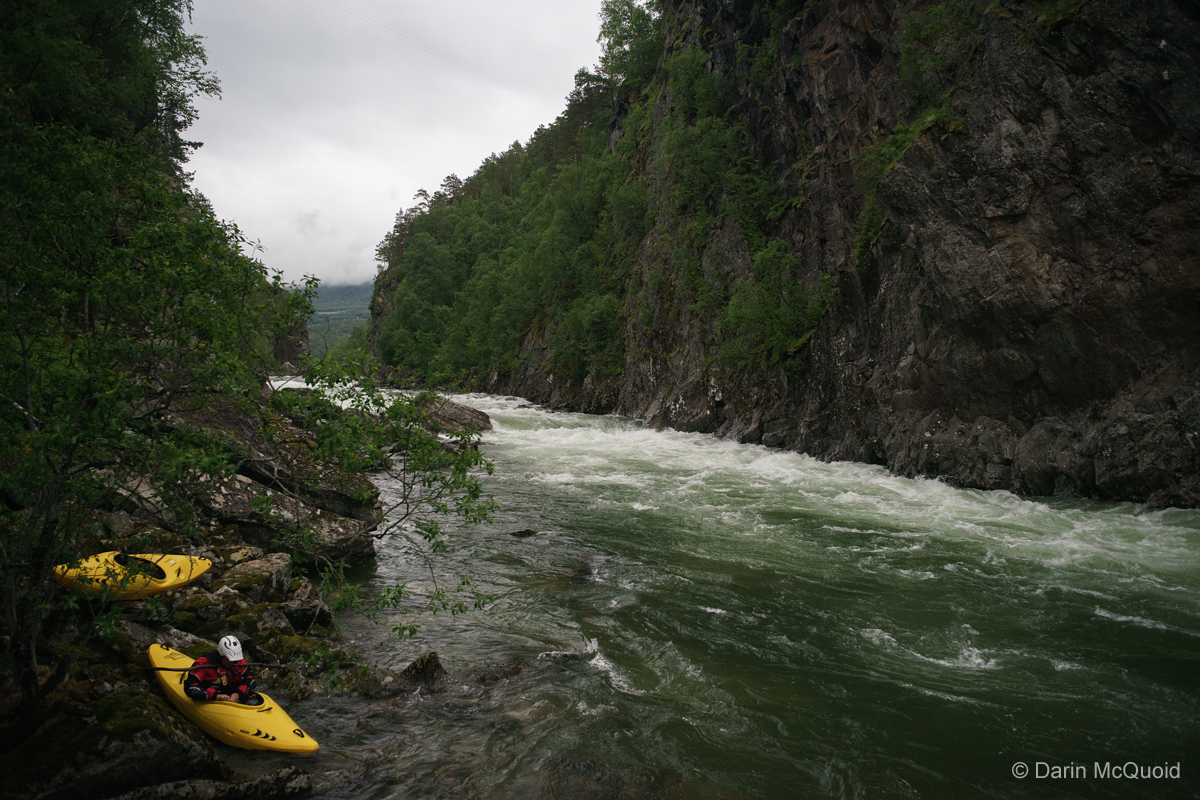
x: 184, y: 620
x: 263, y: 579
x: 297, y: 648
x: 197, y: 650
x: 128, y: 649
x: 264, y: 618
x: 196, y: 602
x: 291, y: 647
x: 132, y: 740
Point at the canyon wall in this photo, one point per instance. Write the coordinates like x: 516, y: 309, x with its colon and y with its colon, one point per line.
x: 1023, y: 313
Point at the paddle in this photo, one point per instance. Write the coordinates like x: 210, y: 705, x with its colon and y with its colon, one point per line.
x: 210, y: 666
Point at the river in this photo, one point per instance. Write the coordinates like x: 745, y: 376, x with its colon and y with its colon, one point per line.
x: 698, y: 618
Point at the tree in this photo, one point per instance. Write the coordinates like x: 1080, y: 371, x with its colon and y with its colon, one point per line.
x: 122, y: 292
x: 629, y: 33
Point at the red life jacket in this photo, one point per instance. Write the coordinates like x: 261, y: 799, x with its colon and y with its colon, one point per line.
x: 209, y: 677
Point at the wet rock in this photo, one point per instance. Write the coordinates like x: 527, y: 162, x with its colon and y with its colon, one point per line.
x: 283, y: 783
x: 299, y: 686
x: 303, y: 614
x: 262, y: 579
x: 452, y: 416
x: 132, y: 740
x: 525, y: 533
x: 501, y: 672
x: 376, y: 682
x: 426, y: 671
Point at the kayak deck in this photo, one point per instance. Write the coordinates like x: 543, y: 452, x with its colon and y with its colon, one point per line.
x: 260, y: 727
x: 131, y: 577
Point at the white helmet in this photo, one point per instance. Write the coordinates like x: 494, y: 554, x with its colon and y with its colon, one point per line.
x: 230, y: 647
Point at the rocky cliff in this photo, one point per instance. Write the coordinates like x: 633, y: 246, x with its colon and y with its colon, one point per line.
x: 1021, y: 312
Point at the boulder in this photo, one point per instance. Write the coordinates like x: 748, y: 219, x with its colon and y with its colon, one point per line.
x: 131, y: 740
x: 502, y: 672
x: 299, y: 686
x: 282, y: 783
x: 279, y: 455
x: 263, y: 579
x: 131, y: 640
x: 270, y: 518
x: 184, y: 642
x: 523, y: 534
x: 201, y: 606
x: 426, y: 671
x: 339, y: 539
x: 238, y: 554
x: 301, y: 589
x: 256, y: 625
x: 451, y: 416
x: 376, y: 682
x: 304, y: 614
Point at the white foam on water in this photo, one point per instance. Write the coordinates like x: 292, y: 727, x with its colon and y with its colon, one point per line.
x: 923, y: 575
x: 969, y: 658
x: 1142, y: 622
x: 879, y: 637
x: 953, y: 698
x: 614, y: 675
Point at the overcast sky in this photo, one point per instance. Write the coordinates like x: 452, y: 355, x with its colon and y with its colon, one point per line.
x: 333, y: 113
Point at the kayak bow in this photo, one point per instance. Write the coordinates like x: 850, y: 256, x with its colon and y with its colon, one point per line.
x: 261, y: 727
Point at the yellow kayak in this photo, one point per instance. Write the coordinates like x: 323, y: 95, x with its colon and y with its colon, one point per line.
x: 132, y: 577
x: 261, y: 727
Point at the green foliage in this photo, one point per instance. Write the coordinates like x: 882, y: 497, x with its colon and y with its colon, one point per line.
x: 632, y: 45
x: 584, y: 338
x: 935, y: 41
x: 354, y: 345
x: 431, y: 474
x: 122, y: 292
x: 772, y: 316
x: 870, y: 226
x: 549, y: 241
x: 1053, y: 16
x: 879, y: 160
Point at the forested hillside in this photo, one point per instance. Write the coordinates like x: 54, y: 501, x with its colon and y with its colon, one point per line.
x: 337, y: 312
x: 954, y: 238
x: 546, y: 236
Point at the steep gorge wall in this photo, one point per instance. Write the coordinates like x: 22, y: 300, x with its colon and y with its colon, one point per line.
x: 1027, y: 317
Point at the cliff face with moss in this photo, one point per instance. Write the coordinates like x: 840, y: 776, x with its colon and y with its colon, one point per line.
x: 1005, y: 199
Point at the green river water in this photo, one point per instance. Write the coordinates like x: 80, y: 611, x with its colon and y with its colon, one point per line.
x: 704, y: 619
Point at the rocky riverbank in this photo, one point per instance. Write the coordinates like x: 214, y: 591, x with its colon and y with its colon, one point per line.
x: 273, y: 529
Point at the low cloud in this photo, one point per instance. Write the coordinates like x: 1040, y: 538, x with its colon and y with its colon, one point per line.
x: 328, y: 124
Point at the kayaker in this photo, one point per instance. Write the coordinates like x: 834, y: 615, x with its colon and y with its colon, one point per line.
x: 221, y: 675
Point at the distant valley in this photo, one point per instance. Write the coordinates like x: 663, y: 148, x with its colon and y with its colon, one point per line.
x: 337, y: 311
